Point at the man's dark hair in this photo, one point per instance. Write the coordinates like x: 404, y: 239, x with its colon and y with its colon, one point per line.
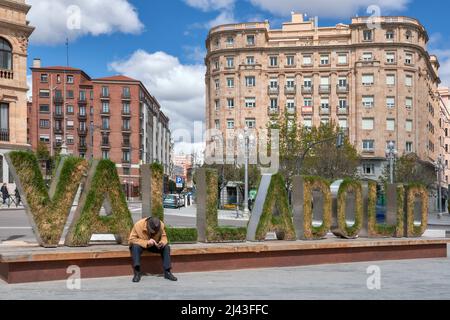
x: 153, y: 225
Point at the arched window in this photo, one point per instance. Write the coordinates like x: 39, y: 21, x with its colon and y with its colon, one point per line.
x: 408, y: 35
x: 5, y: 55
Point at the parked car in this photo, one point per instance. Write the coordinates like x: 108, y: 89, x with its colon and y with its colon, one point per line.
x: 171, y: 201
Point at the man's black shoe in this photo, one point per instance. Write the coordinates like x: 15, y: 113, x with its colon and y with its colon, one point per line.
x: 169, y: 276
x: 137, y: 276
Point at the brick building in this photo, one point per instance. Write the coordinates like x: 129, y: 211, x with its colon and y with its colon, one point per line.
x: 112, y: 118
x: 379, y: 84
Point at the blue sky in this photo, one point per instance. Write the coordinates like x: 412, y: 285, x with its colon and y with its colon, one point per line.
x: 161, y: 42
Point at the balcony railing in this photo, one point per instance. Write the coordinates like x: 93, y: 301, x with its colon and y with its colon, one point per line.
x: 272, y: 111
x: 58, y: 115
x: 82, y: 100
x: 126, y: 114
x: 6, y: 74
x: 126, y: 96
x: 307, y: 110
x: 82, y: 132
x: 273, y: 90
x: 324, y: 110
x: 342, y: 89
x: 126, y: 145
x: 82, y: 116
x: 59, y: 130
x: 124, y: 129
x: 106, y: 145
x: 4, y: 135
x: 82, y: 147
x: 307, y: 89
x: 104, y: 95
x: 291, y: 110
x: 58, y: 99
x: 105, y: 112
x: 342, y: 111
x: 290, y: 90
x: 324, y: 88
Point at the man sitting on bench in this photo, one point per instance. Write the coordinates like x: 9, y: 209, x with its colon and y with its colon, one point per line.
x: 149, y: 234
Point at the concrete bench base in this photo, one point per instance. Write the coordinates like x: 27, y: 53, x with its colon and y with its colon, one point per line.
x: 33, y: 264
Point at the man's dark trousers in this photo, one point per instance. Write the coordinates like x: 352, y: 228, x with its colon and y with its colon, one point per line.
x: 136, y: 252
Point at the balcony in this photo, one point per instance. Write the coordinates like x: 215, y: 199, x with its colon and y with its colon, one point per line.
x: 307, y: 110
x: 292, y: 110
x: 57, y: 144
x: 58, y: 100
x: 104, y: 95
x: 126, y: 161
x: 82, y: 100
x: 105, y: 113
x: 58, y: 115
x: 273, y: 111
x: 290, y: 90
x: 274, y: 90
x: 6, y: 74
x: 126, y: 114
x: 324, y: 110
x: 324, y: 88
x: 127, y: 130
x: 4, y: 135
x: 307, y: 89
x: 126, y: 97
x: 58, y: 131
x: 126, y: 145
x: 342, y: 89
x: 82, y: 116
x: 82, y: 132
x: 106, y: 145
x: 82, y: 147
x: 342, y: 111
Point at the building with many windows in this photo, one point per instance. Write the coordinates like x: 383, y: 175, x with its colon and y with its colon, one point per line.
x: 378, y: 83
x: 14, y: 34
x: 112, y: 118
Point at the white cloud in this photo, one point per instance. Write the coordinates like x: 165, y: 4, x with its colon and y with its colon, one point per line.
x: 30, y: 86
x: 327, y: 8
x: 57, y: 20
x: 225, y: 17
x: 179, y: 88
x: 196, y: 54
x: 444, y: 71
x: 211, y: 5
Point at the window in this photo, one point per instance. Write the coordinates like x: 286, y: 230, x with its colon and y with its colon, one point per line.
x: 390, y: 79
x: 409, y: 126
x: 273, y: 103
x: 105, y: 123
x: 126, y: 108
x: 390, y: 124
x: 409, y: 80
x: 105, y: 92
x: 230, y: 82
x: 390, y: 57
x: 409, y: 58
x: 250, y: 40
x: 230, y: 41
x: 105, y: 155
x: 44, y: 77
x: 70, y: 94
x: 83, y: 126
x: 250, y: 81
x: 58, y: 110
x: 325, y: 121
x: 343, y: 123
x: 126, y: 92
x: 390, y: 102
x: 105, y: 107
x: 250, y: 123
x: 58, y: 78
x: 290, y: 61
x: 44, y: 138
x: 390, y: 34
x: 369, y: 169
x: 290, y: 83
x: 408, y: 35
x: 230, y: 124
x: 409, y: 103
x: 307, y: 82
x: 368, y: 145
x: 217, y: 105
x: 70, y: 79
x: 325, y: 103
x: 342, y: 82
x: 307, y: 102
x: 250, y: 102
x: 307, y: 60
x: 126, y: 124
x: 44, y: 124
x: 367, y: 56
x: 5, y: 55
x: 409, y: 147
x: 217, y: 84
x: 230, y: 103
x: 230, y: 62
x: 367, y: 79
x: 367, y: 35
x: 368, y: 101
x: 342, y: 58
x: 82, y: 95
x: 290, y: 105
x: 307, y: 123
x: 273, y: 83
x: 44, y: 93
x: 250, y: 60
x: 367, y: 124
x: 44, y: 108
x: 324, y: 59
x: 70, y: 109
x: 343, y: 104
x: 217, y: 124
x: 126, y: 156
x: 216, y: 65
x: 273, y: 61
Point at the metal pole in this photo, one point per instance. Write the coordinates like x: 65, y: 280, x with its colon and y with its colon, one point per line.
x: 391, y: 167
x: 246, y: 210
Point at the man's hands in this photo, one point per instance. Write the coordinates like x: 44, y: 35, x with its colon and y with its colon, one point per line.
x: 153, y: 243
x: 161, y: 245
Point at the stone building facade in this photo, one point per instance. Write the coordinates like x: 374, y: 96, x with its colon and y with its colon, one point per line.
x: 378, y: 82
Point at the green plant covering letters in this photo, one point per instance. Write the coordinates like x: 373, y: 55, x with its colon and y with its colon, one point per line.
x: 414, y: 192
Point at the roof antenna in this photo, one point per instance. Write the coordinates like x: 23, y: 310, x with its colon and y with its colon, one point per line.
x: 67, y: 50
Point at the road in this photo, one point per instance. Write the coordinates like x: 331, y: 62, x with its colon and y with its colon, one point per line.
x: 14, y: 224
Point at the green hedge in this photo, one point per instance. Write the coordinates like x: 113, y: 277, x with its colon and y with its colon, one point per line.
x: 50, y: 215
x: 413, y: 191
x: 343, y: 230
x: 181, y: 235
x: 311, y: 184
x: 105, y: 182
x: 276, y: 201
x: 214, y: 233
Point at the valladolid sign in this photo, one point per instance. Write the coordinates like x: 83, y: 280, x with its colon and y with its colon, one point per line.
x: 48, y: 211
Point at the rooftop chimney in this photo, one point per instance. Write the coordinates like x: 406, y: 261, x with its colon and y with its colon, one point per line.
x: 297, y: 17
x: 37, y: 63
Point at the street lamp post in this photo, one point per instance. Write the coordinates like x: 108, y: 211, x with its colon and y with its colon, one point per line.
x: 391, y: 153
x: 439, y: 164
x: 247, y: 155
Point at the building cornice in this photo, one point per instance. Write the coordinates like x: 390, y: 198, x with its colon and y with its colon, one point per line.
x: 23, y: 7
x: 27, y: 30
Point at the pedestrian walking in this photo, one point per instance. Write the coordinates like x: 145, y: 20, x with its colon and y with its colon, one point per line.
x: 5, y: 193
x: 18, y: 198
